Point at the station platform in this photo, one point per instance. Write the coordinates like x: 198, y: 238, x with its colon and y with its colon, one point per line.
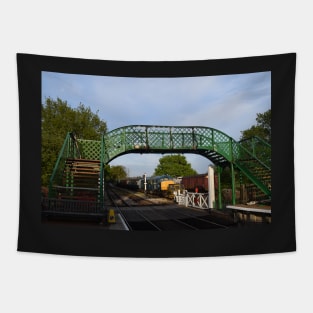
x: 251, y: 213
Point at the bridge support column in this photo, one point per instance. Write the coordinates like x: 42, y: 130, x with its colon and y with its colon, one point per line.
x: 233, y: 188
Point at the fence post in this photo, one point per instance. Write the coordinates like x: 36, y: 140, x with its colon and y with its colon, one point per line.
x: 211, y: 188
x: 219, y: 170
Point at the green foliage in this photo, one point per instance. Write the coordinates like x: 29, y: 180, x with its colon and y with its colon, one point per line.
x: 226, y: 178
x: 115, y: 173
x: 57, y: 119
x: 262, y: 128
x: 174, y: 165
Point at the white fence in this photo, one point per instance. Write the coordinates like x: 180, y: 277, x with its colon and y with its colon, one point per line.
x: 193, y: 199
x: 199, y: 200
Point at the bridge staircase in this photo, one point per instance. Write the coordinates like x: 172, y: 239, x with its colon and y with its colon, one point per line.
x: 76, y: 184
x: 254, y: 161
x: 81, y: 180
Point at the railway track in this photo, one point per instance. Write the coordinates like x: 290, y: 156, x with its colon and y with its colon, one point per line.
x: 143, y: 214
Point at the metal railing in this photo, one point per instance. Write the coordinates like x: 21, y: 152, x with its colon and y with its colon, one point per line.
x: 57, y: 172
x: 62, y: 206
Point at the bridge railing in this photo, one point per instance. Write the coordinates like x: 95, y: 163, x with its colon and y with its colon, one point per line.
x: 79, y: 207
x: 143, y: 137
x: 57, y: 173
x: 89, y: 149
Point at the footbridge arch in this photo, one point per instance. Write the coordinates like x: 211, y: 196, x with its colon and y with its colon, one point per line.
x: 251, y: 157
x: 209, y: 142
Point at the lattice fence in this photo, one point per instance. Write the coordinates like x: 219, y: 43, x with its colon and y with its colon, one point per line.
x: 90, y: 149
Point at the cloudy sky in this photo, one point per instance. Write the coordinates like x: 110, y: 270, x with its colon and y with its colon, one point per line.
x: 227, y: 102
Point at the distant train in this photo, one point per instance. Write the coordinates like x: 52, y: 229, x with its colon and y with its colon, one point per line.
x: 167, y: 186
x: 129, y: 183
x: 164, y: 185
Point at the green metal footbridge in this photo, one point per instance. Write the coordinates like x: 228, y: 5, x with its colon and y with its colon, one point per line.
x: 79, y: 170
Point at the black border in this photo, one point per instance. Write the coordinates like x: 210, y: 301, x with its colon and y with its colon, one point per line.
x: 279, y: 236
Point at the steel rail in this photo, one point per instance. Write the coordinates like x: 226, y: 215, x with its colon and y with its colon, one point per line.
x: 165, y: 214
x: 202, y: 219
x: 119, y: 211
x: 174, y: 220
x: 137, y: 212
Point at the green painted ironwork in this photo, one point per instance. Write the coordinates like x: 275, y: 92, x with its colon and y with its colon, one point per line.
x: 161, y: 139
x: 57, y: 174
x: 233, y: 186
x: 211, y: 143
x: 251, y: 157
x: 73, y: 150
x: 259, y: 148
x: 89, y: 149
x: 101, y: 186
x: 254, y: 162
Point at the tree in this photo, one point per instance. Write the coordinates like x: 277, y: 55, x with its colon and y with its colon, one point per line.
x: 262, y: 128
x: 116, y: 173
x: 57, y: 119
x: 174, y: 165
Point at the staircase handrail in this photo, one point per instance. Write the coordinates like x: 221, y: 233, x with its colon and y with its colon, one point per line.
x: 73, y: 137
x: 56, y: 166
x: 258, y: 138
x: 253, y: 154
x: 250, y: 154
